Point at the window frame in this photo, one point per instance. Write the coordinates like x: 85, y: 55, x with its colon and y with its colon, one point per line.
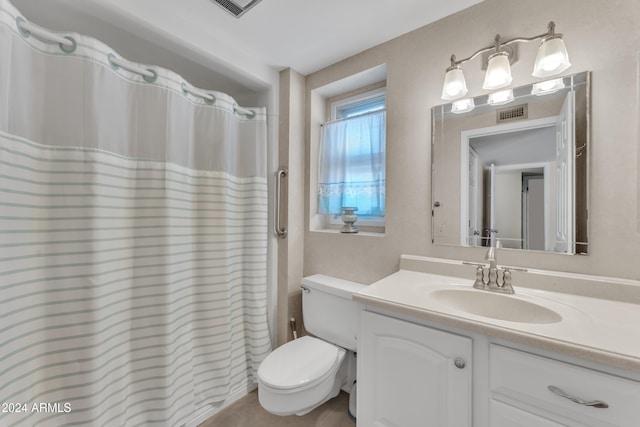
x: 335, y: 107
x: 354, y: 100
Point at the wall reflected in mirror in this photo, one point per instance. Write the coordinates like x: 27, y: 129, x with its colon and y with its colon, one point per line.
x: 515, y: 174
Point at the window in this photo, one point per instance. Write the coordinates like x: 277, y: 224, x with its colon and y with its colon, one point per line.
x: 360, y: 104
x: 352, y: 158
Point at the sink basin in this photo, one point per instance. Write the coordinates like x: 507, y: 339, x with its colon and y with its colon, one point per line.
x: 496, y: 306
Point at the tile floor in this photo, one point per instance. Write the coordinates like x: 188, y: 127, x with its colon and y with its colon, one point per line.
x: 247, y: 412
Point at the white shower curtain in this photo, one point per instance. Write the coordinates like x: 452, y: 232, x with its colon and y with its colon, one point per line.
x: 133, y: 236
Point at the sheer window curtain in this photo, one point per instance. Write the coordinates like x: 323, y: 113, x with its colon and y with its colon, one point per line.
x: 133, y: 238
x: 352, y: 165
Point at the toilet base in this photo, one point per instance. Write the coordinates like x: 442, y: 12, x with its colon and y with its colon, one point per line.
x: 286, y: 402
x: 300, y: 403
x: 334, y: 392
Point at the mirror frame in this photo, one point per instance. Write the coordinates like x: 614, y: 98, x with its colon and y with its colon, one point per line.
x: 581, y: 83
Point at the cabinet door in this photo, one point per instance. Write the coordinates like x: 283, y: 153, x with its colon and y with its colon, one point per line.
x: 411, y: 375
x: 507, y: 416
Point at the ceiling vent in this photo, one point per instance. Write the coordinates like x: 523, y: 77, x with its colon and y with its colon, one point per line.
x: 237, y: 7
x: 519, y: 112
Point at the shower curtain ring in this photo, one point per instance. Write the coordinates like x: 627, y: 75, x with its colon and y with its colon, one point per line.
x: 66, y: 49
x: 67, y: 44
x: 152, y: 78
x: 20, y: 21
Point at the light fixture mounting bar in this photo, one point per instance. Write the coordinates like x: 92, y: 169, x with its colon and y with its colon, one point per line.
x: 496, y: 46
x: 551, y: 59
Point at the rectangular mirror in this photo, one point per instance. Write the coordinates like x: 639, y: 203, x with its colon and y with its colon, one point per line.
x: 514, y: 175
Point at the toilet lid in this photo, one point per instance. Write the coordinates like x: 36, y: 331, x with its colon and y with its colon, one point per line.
x: 299, y: 363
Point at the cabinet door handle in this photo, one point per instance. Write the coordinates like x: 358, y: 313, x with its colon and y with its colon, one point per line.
x: 460, y: 363
x: 592, y: 403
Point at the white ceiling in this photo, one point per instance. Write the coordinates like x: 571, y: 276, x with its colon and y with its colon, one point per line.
x: 518, y: 147
x: 306, y: 35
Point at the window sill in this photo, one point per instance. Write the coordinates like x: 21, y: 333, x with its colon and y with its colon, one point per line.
x: 359, y: 233
x: 320, y: 223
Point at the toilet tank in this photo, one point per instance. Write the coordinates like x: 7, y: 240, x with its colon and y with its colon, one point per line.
x: 329, y: 312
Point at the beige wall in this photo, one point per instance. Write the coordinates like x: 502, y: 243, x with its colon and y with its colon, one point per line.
x: 603, y: 37
x: 291, y: 156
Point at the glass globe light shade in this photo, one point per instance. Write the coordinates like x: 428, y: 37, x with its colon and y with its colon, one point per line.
x: 498, y: 72
x: 547, y: 87
x: 500, y: 98
x: 552, y: 58
x: 455, y: 86
x: 462, y: 105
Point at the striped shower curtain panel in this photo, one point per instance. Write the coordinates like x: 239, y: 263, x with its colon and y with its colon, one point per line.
x: 133, y: 236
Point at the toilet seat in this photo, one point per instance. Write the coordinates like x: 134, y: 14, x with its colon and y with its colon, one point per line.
x: 300, y: 364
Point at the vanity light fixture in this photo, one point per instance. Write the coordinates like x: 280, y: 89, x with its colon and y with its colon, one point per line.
x: 462, y: 105
x: 552, y: 59
x: 498, y: 73
x: 547, y: 87
x: 455, y: 85
x: 500, y: 98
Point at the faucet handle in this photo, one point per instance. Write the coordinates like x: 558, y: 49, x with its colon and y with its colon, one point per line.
x: 505, y: 287
x: 479, y: 282
x: 475, y: 264
x: 506, y: 277
x: 519, y: 269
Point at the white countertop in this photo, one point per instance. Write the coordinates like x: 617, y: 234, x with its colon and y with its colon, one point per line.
x: 594, y: 329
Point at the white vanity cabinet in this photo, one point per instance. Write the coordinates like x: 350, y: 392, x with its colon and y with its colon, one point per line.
x: 503, y: 415
x: 412, y: 375
x: 520, y: 383
x: 578, y: 369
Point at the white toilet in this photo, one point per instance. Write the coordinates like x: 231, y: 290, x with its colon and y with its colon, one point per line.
x: 304, y: 373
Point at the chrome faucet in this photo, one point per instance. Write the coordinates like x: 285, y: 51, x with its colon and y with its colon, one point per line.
x: 493, y: 268
x: 492, y: 274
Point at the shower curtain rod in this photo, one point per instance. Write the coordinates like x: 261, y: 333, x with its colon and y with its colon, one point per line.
x: 355, y: 116
x: 68, y: 44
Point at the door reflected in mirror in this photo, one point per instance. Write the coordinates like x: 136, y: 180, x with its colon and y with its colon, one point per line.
x: 514, y: 175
